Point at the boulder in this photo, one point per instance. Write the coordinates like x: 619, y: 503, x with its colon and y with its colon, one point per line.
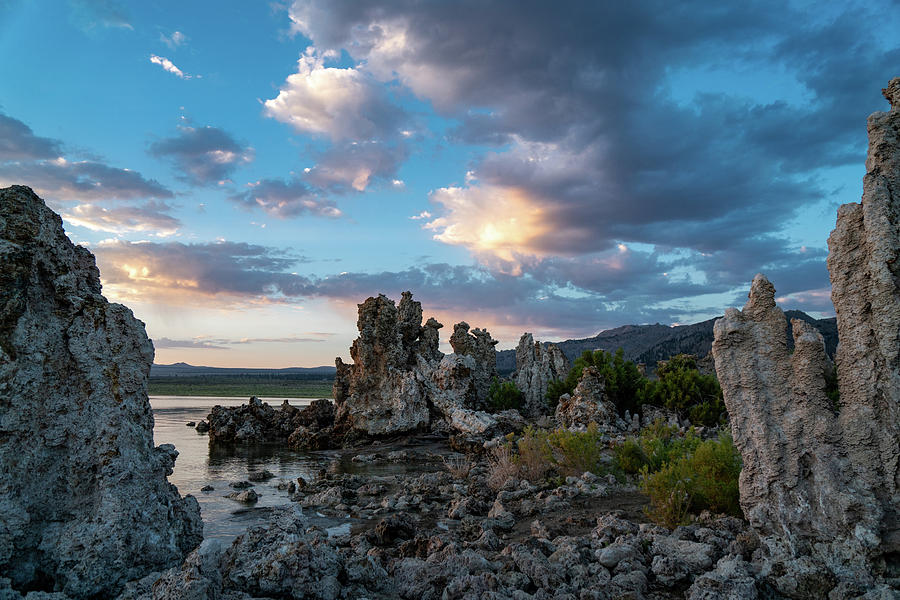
x: 588, y: 404
x: 84, y: 501
x: 820, y: 480
x: 536, y: 367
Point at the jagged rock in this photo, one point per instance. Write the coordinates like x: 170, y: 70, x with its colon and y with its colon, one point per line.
x: 84, y: 501
x: 480, y: 346
x: 588, y: 404
x: 536, y: 367
x: 399, y: 381
x: 307, y: 428
x: 820, y: 482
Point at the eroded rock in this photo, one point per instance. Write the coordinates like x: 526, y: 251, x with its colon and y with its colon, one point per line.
x: 84, y: 501
x: 536, y: 367
x: 820, y: 481
x: 588, y: 404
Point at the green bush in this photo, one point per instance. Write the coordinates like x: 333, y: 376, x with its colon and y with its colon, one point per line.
x: 630, y: 456
x: 621, y: 377
x: 504, y: 395
x: 682, y: 388
x: 657, y: 445
x: 703, y: 477
x: 576, y: 452
x: 540, y: 454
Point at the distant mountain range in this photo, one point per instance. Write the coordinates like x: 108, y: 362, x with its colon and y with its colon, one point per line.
x: 649, y: 344
x: 182, y: 369
x: 646, y: 344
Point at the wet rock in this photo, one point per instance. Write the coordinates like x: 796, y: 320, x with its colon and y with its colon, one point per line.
x: 837, y: 462
x: 588, y: 404
x: 202, y: 427
x: 260, y: 476
x: 536, y: 367
x: 90, y: 507
x: 207, y: 488
x: 246, y: 497
x: 191, y: 424
x: 240, y: 485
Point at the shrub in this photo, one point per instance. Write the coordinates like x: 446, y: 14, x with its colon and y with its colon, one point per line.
x: 702, y: 477
x: 576, y: 452
x: 622, y: 379
x: 501, y: 467
x: 630, y: 456
x: 535, y: 456
x: 504, y: 395
x: 459, y: 465
x: 682, y: 388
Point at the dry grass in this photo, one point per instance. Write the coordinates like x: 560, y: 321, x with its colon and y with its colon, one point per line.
x: 501, y: 467
x: 458, y: 465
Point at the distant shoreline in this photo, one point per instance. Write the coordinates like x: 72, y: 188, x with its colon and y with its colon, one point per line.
x: 237, y: 387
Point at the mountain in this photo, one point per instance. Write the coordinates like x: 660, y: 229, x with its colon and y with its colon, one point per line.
x: 649, y: 344
x: 181, y: 369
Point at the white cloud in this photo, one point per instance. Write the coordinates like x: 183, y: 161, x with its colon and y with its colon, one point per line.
x: 169, y: 66
x: 422, y: 215
x: 174, y: 40
x: 343, y: 104
x: 151, y: 218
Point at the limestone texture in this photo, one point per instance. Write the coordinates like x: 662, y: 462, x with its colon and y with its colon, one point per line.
x: 536, y: 367
x: 257, y: 422
x: 400, y: 382
x: 820, y: 480
x: 84, y: 501
x: 588, y: 404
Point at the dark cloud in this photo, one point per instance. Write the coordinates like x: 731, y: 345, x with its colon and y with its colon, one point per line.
x: 203, y: 155
x: 18, y: 142
x: 285, y: 199
x: 355, y: 165
x: 83, y: 180
x: 598, y: 140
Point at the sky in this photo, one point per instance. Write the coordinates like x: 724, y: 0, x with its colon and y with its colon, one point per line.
x: 246, y: 173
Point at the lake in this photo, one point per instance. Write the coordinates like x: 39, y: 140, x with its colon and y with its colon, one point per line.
x: 198, y: 465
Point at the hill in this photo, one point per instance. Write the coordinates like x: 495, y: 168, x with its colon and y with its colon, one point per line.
x: 649, y: 344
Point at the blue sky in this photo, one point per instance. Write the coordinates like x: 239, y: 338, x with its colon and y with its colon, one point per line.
x: 247, y: 174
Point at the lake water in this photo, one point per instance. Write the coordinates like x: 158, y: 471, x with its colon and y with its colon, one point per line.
x: 198, y: 465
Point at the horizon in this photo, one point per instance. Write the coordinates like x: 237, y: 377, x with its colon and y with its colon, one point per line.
x: 247, y: 176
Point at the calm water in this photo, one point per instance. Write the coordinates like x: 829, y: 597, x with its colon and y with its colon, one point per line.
x: 198, y: 465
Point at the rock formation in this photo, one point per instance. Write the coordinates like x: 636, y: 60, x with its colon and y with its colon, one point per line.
x: 307, y: 428
x: 400, y: 381
x: 536, y: 367
x: 480, y: 346
x: 588, y: 404
x: 84, y: 501
x: 820, y: 482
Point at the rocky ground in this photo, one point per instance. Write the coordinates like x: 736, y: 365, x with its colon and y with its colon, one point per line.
x: 446, y: 533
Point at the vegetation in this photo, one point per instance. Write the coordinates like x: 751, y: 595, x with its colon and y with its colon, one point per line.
x: 504, y: 395
x: 706, y: 478
x: 681, y: 387
x: 681, y: 474
x: 622, y: 378
x: 538, y: 455
x: 831, y: 389
x: 246, y: 385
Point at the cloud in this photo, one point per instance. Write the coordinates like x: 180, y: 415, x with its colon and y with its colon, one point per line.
x: 204, y: 155
x: 173, y: 41
x: 225, y: 343
x: 105, y: 13
x: 152, y: 217
x: 344, y: 104
x: 169, y: 66
x: 285, y: 199
x: 422, y: 215
x: 630, y: 125
x: 165, y: 342
x: 86, y: 181
x: 356, y: 165
x: 18, y: 142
